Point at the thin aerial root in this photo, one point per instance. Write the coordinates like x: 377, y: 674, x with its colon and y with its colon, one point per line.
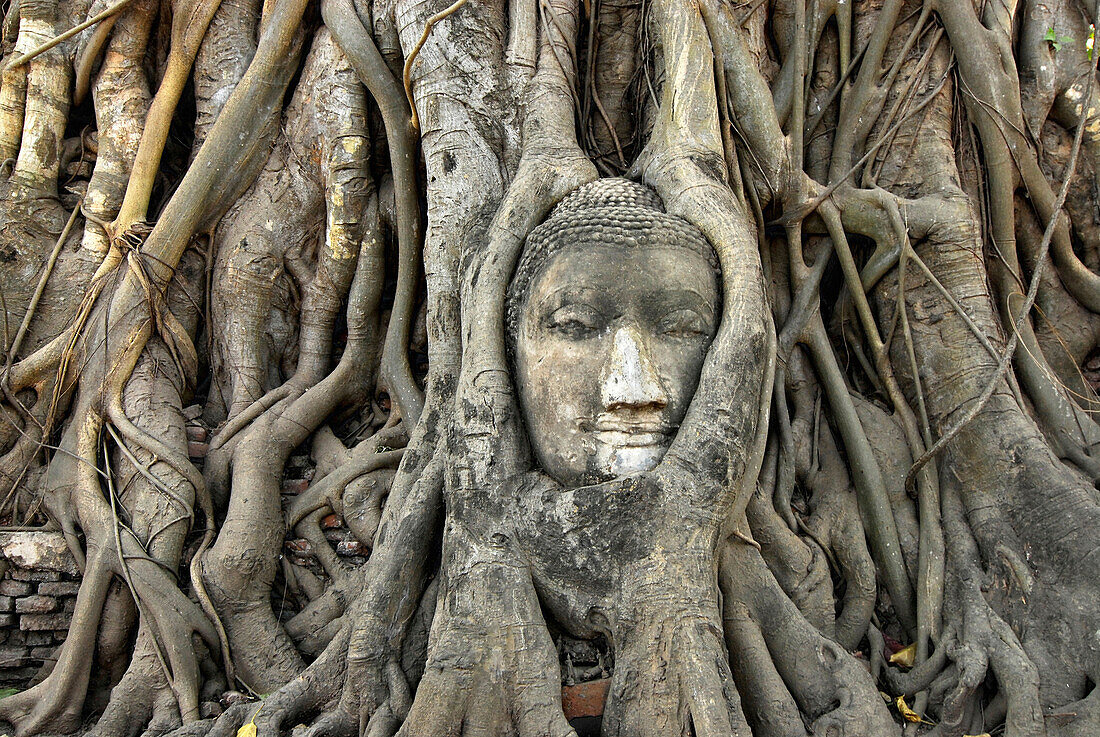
x: 406, y: 74
x: 359, y: 46
x: 17, y: 342
x: 62, y: 37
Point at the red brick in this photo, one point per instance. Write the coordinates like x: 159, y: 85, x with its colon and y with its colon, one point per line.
x: 295, y: 486
x: 351, y: 547
x: 331, y: 522
x: 585, y: 699
x: 196, y: 449
x: 196, y: 433
x: 301, y: 546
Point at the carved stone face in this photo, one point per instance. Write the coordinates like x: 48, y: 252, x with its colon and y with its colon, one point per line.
x: 609, y: 348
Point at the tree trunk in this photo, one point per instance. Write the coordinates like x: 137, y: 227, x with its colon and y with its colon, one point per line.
x: 367, y: 357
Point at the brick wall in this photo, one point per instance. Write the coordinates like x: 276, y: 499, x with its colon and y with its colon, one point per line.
x: 38, y: 585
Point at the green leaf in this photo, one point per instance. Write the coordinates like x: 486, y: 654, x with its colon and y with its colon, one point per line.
x: 1052, y: 37
x: 8, y: 692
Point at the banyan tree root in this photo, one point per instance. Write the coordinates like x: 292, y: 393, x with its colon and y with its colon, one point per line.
x: 160, y: 507
x: 1003, y: 630
x: 652, y: 630
x: 784, y: 666
x: 350, y: 265
x: 121, y: 324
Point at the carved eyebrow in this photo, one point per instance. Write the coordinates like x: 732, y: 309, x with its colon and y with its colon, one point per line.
x: 684, y: 298
x: 572, y: 293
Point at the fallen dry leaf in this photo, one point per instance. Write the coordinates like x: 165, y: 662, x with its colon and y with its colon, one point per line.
x: 905, y: 656
x: 909, y: 714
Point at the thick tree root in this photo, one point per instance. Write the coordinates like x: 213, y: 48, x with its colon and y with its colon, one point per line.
x: 770, y: 640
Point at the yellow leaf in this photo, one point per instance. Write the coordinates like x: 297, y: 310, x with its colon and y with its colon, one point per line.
x: 249, y: 730
x: 909, y: 714
x: 905, y: 656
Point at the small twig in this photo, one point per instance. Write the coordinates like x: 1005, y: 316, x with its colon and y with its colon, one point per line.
x: 406, y: 74
x: 749, y: 11
x: 746, y: 539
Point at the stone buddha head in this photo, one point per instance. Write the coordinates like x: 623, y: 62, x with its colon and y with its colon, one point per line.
x: 610, y: 313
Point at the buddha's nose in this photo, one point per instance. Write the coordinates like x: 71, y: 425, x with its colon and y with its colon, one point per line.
x: 629, y: 378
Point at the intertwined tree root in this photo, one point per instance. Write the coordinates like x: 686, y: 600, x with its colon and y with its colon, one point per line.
x: 898, y: 438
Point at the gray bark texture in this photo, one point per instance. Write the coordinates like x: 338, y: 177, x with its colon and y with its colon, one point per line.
x: 300, y: 301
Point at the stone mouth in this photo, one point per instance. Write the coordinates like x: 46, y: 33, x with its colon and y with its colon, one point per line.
x: 631, y: 432
x: 631, y: 437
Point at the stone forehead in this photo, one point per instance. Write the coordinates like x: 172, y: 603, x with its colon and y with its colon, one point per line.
x: 617, y: 213
x: 611, y: 212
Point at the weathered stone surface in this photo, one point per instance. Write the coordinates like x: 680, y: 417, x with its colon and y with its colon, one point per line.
x: 44, y: 622
x: 35, y: 604
x: 18, y: 677
x: 36, y: 575
x: 12, y: 657
x: 210, y: 709
x: 7, y: 603
x: 11, y: 587
x: 38, y: 551
x: 46, y: 652
x: 6, y: 620
x: 59, y: 588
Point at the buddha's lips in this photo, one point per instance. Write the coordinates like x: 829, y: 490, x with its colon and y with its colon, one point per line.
x: 624, y: 433
x: 631, y: 438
